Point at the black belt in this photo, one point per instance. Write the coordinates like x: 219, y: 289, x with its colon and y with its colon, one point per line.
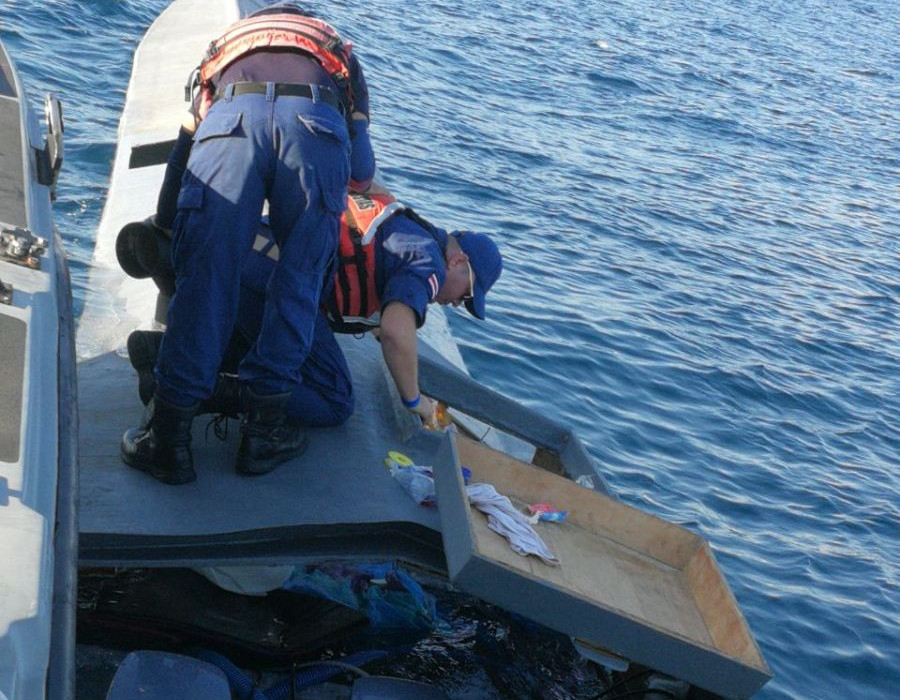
x: 326, y: 95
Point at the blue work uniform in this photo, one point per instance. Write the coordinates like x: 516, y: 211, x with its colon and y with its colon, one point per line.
x: 284, y: 66
x: 324, y: 396
x: 305, y: 72
x: 409, y: 262
x: 293, y: 152
x: 410, y: 268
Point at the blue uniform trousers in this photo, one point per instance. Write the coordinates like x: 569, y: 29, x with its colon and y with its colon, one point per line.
x: 325, y: 395
x: 293, y: 152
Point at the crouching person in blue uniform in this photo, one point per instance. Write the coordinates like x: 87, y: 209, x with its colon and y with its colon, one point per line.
x: 277, y: 97
x: 391, y: 265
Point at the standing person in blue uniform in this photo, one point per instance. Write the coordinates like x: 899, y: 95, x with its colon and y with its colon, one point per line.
x: 278, y: 96
x: 392, y: 265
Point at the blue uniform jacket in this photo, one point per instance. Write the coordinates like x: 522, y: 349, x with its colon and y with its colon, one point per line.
x: 409, y: 263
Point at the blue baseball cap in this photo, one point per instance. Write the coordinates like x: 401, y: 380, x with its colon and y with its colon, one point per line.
x: 486, y: 265
x: 283, y: 8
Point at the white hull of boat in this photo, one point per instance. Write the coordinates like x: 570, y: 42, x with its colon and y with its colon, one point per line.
x: 37, y: 421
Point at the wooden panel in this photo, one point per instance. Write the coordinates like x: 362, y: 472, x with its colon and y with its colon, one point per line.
x: 600, y: 514
x: 627, y: 581
x: 719, y: 608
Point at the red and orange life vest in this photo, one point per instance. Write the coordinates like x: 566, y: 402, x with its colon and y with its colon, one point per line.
x: 284, y: 31
x: 354, y: 306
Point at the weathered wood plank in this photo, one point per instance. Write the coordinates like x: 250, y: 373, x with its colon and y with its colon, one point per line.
x: 627, y: 581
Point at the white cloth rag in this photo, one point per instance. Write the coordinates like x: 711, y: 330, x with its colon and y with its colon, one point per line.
x: 503, y: 518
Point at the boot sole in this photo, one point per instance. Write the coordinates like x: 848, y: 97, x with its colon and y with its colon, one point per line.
x: 176, y: 479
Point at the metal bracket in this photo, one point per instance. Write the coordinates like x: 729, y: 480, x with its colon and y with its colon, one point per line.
x: 50, y: 157
x: 21, y: 246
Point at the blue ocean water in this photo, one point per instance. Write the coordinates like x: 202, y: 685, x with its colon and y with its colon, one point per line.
x: 698, y: 209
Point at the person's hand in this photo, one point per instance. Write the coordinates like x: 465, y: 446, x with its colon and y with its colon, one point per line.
x: 426, y: 409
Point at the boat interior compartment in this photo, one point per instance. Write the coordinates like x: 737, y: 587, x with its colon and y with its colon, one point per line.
x: 645, y: 588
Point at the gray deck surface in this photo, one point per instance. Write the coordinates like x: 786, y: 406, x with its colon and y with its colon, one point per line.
x: 337, y: 500
x: 7, y: 82
x: 13, y: 332
x: 12, y: 211
x: 12, y: 193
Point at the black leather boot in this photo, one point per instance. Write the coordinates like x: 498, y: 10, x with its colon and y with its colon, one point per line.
x: 162, y: 445
x: 226, y: 397
x: 143, y: 349
x: 268, y: 437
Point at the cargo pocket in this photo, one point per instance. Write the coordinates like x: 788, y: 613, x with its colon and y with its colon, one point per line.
x: 334, y: 150
x: 190, y: 196
x: 333, y: 128
x: 190, y: 202
x: 218, y: 124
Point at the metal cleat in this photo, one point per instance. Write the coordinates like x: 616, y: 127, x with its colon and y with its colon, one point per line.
x: 21, y: 246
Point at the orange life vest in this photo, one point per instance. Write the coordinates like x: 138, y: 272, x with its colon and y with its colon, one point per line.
x: 283, y: 31
x: 354, y: 305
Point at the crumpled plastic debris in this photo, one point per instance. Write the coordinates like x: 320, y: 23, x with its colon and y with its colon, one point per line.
x: 417, y: 480
x: 544, y: 512
x: 384, y: 592
x: 504, y: 519
x: 443, y: 417
x: 585, y: 481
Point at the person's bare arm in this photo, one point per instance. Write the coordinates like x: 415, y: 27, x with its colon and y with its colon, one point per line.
x: 398, y: 345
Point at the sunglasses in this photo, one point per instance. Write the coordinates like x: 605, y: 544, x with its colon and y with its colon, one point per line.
x: 471, y: 294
